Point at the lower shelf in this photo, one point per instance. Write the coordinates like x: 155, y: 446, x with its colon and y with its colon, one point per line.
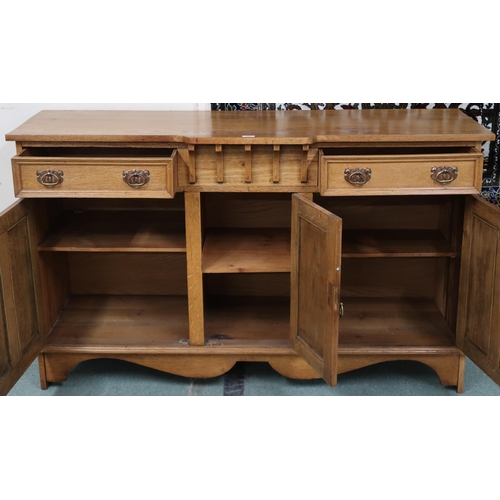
x: 372, y: 325
x: 120, y: 321
x: 131, y: 323
x: 236, y: 320
x: 369, y: 325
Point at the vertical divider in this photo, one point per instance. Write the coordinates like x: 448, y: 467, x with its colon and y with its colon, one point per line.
x: 192, y: 163
x: 220, y: 164
x: 276, y: 163
x: 304, y: 173
x: 194, y: 249
x: 248, y: 163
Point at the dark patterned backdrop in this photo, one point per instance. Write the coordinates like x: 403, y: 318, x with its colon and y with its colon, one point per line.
x: 485, y: 113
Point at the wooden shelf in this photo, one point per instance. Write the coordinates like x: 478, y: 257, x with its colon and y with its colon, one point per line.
x: 117, y: 231
x: 257, y: 320
x: 380, y: 324
x: 369, y: 325
x: 268, y: 250
x: 110, y: 322
x: 395, y: 243
x: 116, y: 323
x: 260, y: 250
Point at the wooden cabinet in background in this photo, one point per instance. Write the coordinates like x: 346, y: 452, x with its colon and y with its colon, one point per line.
x: 319, y: 242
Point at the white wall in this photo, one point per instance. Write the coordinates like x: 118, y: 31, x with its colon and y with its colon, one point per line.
x: 13, y: 115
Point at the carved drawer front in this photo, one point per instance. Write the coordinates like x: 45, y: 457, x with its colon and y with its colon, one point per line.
x: 432, y: 173
x: 95, y: 173
x: 285, y: 168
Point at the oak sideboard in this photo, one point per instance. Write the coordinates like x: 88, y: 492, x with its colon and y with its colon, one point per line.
x: 318, y: 241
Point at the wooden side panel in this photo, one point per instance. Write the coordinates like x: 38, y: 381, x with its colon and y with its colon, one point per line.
x: 20, y: 329
x: 478, y: 326
x: 315, y: 286
x: 54, y: 270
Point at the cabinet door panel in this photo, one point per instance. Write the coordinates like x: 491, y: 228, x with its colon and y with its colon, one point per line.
x: 22, y: 282
x: 315, y: 290
x: 20, y: 337
x: 5, y: 357
x: 478, y: 327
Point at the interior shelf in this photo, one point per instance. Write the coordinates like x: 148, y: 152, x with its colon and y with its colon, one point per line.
x: 382, y: 323
x: 117, y: 231
x: 395, y: 243
x: 251, y: 250
x: 268, y: 250
x: 255, y: 320
x: 100, y: 322
x: 116, y: 322
x: 368, y: 325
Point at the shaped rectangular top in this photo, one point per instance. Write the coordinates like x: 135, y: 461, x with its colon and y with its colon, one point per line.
x: 252, y: 127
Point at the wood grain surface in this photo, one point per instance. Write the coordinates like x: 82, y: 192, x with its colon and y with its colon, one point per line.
x: 257, y: 127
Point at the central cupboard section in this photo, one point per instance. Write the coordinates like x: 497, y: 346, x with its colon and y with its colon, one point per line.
x: 246, y: 264
x: 399, y: 273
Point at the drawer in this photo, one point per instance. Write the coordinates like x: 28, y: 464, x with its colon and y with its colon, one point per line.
x: 95, y: 173
x: 416, y: 173
x: 270, y: 168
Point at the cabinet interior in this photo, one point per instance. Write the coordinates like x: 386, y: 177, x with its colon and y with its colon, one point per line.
x: 97, y: 152
x: 246, y: 266
x: 400, y: 258
x: 400, y: 265
x: 116, y: 270
x: 396, y: 150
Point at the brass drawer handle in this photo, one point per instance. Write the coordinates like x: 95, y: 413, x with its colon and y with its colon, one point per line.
x: 50, y: 178
x: 444, y: 175
x: 136, y: 178
x: 357, y: 176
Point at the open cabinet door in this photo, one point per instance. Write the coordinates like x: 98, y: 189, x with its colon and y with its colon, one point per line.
x: 315, y: 286
x: 20, y: 339
x: 478, y: 326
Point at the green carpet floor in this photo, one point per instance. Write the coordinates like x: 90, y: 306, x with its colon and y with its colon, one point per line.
x: 117, y: 378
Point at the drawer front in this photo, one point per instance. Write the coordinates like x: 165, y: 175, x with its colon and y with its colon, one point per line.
x: 42, y: 177
x: 405, y: 174
x: 284, y: 168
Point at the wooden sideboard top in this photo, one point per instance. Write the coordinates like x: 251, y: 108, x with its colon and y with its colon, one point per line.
x: 255, y: 127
